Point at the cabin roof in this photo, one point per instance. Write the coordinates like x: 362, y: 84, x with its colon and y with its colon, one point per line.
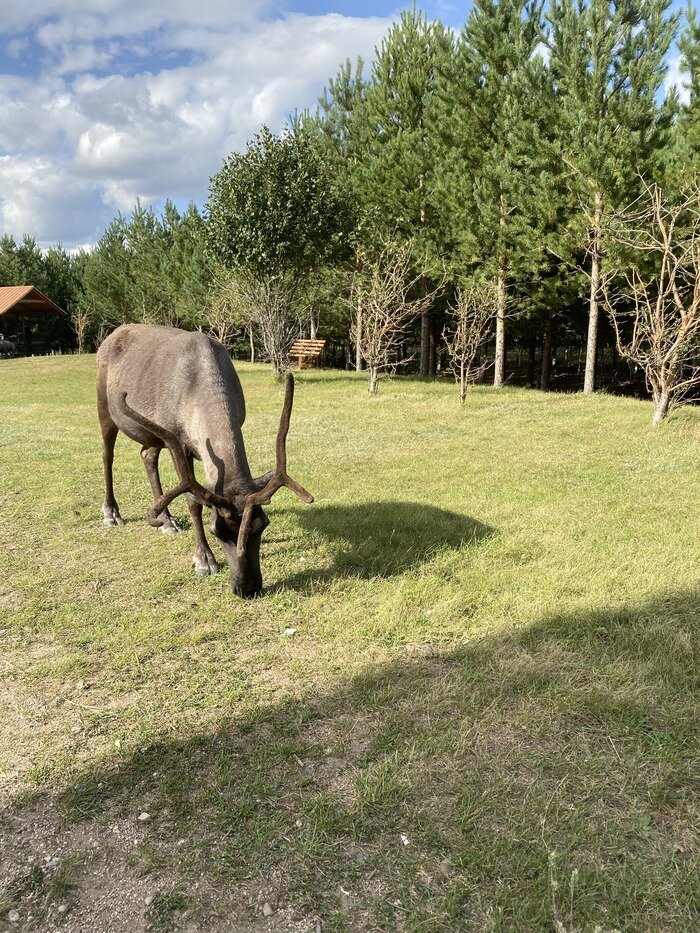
x: 26, y: 300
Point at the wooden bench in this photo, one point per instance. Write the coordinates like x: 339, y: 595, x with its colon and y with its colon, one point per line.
x: 307, y: 352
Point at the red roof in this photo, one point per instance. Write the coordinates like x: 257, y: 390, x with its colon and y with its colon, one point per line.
x: 25, y: 299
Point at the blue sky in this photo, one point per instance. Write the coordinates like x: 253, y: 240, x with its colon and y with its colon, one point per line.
x: 104, y: 101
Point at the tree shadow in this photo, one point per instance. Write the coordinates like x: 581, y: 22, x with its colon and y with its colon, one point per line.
x: 381, y: 539
x: 444, y: 789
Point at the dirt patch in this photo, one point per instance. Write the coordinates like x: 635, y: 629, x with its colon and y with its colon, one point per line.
x: 95, y: 879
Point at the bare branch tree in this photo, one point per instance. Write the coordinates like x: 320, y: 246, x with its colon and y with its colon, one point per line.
x: 226, y: 314
x: 271, y: 308
x: 473, y: 313
x: 81, y: 320
x: 655, y: 306
x: 383, y: 290
x: 275, y: 306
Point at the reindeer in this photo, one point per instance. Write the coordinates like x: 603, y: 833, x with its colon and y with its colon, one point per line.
x: 166, y: 387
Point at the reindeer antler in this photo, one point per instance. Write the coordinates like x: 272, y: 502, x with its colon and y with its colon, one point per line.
x: 188, y: 481
x: 183, y: 465
x: 279, y: 478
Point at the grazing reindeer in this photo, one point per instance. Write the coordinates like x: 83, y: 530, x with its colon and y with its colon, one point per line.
x: 166, y: 387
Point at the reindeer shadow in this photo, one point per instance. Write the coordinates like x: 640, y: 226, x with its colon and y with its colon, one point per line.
x: 380, y: 539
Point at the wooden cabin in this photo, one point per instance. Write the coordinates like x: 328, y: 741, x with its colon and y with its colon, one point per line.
x: 30, y: 320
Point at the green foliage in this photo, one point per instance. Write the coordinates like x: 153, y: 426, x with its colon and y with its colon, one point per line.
x: 608, y: 62
x: 56, y: 274
x: 275, y: 209
x: 495, y: 151
x: 686, y: 151
x: 397, y: 172
x: 492, y: 96
x: 149, y: 268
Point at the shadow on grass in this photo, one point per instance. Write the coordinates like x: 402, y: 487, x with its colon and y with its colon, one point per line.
x: 457, y: 791
x: 382, y: 539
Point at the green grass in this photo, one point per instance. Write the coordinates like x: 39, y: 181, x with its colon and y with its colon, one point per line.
x: 487, y: 718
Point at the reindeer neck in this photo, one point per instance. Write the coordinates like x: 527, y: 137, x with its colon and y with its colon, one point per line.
x: 218, y: 442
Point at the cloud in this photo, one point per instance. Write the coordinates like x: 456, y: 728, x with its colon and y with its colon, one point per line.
x: 677, y: 78
x: 45, y: 199
x: 144, y: 100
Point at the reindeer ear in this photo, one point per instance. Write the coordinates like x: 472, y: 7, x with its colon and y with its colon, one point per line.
x: 261, y: 481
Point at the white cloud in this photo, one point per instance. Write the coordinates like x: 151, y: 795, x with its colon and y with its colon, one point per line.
x: 107, y: 121
x: 45, y: 199
x: 677, y: 78
x: 544, y: 52
x: 63, y: 20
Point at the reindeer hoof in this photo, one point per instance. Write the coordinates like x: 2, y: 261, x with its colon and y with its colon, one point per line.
x: 205, y: 563
x: 111, y: 516
x: 170, y: 528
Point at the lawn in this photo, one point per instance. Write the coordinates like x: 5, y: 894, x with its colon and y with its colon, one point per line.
x: 468, y: 699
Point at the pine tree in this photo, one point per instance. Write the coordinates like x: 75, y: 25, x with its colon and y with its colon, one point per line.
x: 490, y: 98
x: 340, y: 135
x: 687, y: 154
x: 397, y: 171
x: 106, y: 283
x: 608, y: 64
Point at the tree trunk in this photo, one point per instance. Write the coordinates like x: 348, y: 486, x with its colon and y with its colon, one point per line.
x: 358, y: 340
x: 500, y: 367
x: 373, y: 380
x: 592, y: 343
x: 547, y: 344
x: 463, y: 377
x: 662, y: 403
x: 425, y: 331
x: 432, y: 360
x: 312, y: 325
x: 252, y: 343
x: 531, y: 359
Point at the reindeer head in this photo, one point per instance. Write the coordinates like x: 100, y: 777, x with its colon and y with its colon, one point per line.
x: 238, y: 523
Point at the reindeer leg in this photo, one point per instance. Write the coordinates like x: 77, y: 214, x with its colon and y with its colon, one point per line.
x: 203, y: 560
x: 110, y: 509
x: 150, y: 455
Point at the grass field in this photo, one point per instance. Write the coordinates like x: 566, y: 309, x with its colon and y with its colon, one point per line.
x: 485, y: 718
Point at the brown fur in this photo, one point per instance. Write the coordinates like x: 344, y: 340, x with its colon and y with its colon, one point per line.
x: 186, y: 383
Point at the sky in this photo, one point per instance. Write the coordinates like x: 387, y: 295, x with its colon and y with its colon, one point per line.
x: 106, y: 101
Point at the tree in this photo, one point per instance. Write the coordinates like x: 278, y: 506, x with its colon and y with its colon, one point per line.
x: 385, y: 290
x: 55, y: 273
x: 686, y: 154
x: 106, y: 284
x: 608, y: 65
x: 343, y: 134
x: 490, y: 105
x: 81, y: 321
x: 274, y: 215
x: 397, y: 171
x: 655, y: 312
x: 475, y: 309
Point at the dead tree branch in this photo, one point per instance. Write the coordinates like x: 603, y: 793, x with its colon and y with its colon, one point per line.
x: 474, y: 313
x: 390, y: 297
x: 655, y: 306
